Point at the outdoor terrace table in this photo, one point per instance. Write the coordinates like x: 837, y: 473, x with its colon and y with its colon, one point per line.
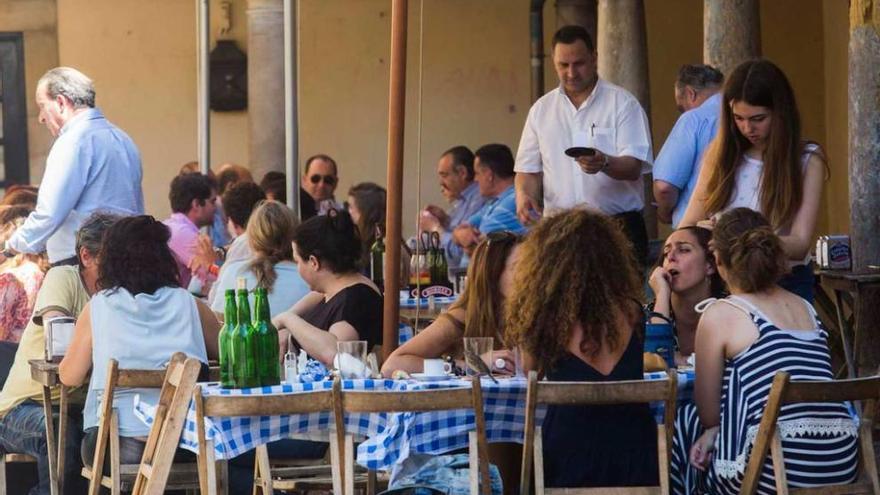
x: 390, y: 438
x: 46, y: 374
x: 849, y: 289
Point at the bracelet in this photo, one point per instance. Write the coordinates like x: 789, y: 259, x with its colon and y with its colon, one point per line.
x: 605, y: 165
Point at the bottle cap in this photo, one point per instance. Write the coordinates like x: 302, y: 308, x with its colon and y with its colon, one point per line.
x: 241, y: 283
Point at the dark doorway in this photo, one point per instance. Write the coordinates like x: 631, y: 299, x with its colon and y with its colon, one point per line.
x: 14, y: 167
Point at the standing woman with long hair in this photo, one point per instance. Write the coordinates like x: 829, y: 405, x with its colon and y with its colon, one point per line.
x: 758, y: 160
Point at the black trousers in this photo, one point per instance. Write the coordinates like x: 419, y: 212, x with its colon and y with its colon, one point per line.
x: 633, y: 224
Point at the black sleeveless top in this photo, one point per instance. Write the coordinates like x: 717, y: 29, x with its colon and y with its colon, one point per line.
x: 613, y: 445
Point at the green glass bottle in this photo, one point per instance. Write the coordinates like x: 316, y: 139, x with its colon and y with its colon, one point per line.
x: 442, y: 267
x: 244, y: 343
x: 230, y: 320
x: 268, y: 364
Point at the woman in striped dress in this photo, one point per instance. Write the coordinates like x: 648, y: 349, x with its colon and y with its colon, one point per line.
x: 741, y: 342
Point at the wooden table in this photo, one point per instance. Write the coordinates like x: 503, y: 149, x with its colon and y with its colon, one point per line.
x: 850, y: 289
x: 46, y: 374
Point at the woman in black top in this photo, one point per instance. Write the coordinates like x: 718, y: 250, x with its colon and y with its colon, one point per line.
x: 344, y: 305
x: 577, y: 318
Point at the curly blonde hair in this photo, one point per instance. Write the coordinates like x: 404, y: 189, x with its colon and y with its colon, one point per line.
x: 575, y: 267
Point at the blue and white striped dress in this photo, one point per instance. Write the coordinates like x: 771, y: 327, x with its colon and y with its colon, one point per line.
x: 819, y: 441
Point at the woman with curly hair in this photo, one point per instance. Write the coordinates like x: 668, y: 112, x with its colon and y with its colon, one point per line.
x: 479, y: 312
x: 576, y: 314
x: 269, y: 235
x: 140, y: 316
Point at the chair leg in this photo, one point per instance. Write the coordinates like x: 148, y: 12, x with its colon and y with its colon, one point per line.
x: 262, y: 471
x: 3, y: 473
x: 539, y: 461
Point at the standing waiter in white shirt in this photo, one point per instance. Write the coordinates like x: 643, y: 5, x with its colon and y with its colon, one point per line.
x: 93, y: 165
x: 584, y: 112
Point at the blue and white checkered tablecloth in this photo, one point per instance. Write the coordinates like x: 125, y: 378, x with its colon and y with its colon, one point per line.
x: 412, y: 302
x: 390, y: 438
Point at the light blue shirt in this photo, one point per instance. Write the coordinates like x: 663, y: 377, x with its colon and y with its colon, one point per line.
x: 679, y: 161
x: 499, y: 213
x: 466, y: 206
x: 142, y: 332
x: 92, y: 166
x: 289, y: 287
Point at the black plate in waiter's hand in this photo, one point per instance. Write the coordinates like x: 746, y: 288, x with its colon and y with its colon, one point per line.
x: 579, y: 151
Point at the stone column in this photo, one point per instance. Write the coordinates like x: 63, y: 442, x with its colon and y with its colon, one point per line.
x: 266, y: 85
x: 864, y: 172
x: 579, y: 13
x: 731, y: 33
x: 623, y: 60
x: 864, y: 132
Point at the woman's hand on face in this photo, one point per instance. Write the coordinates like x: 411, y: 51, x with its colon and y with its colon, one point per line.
x: 659, y: 281
x: 701, y: 451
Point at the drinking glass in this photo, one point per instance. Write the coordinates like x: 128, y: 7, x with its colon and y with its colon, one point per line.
x: 474, y: 349
x: 351, y: 359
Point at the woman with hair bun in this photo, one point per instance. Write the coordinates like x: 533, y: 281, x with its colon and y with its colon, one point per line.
x: 269, y: 235
x: 759, y: 160
x: 343, y: 304
x: 741, y: 342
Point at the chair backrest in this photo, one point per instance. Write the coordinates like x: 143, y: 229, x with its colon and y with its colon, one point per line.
x: 242, y: 405
x: 360, y: 401
x: 596, y: 393
x: 176, y: 383
x: 784, y: 391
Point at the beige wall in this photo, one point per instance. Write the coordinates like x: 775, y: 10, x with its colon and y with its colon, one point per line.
x: 142, y: 56
x: 36, y: 19
x: 474, y: 68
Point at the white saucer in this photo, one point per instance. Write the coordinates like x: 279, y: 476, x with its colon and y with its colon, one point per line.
x: 429, y: 378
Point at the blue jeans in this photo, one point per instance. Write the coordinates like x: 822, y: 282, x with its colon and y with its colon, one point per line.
x: 23, y: 431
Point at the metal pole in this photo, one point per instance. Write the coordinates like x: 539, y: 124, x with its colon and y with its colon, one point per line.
x: 291, y: 120
x: 204, y: 101
x: 396, y: 116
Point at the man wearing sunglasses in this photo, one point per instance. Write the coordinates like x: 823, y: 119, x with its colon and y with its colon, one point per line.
x: 320, y: 180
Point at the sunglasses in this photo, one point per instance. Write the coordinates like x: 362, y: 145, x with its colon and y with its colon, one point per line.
x: 328, y: 179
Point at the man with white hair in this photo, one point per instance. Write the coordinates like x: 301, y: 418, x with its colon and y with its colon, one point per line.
x: 93, y: 165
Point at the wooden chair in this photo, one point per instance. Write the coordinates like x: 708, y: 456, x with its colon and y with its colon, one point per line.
x: 359, y: 401
x: 782, y: 392
x: 596, y: 393
x: 7, y: 458
x: 266, y: 479
x: 156, y: 469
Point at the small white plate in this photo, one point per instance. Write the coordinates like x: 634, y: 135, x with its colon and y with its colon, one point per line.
x: 430, y: 378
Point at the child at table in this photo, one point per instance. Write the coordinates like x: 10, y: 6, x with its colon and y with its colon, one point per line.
x: 575, y: 312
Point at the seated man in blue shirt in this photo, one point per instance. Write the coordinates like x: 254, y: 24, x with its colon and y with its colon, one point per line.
x: 455, y: 169
x: 493, y: 172
x: 678, y: 165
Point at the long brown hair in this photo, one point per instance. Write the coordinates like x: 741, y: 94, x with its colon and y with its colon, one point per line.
x: 576, y: 267
x: 481, y: 300
x: 759, y: 83
x: 270, y: 233
x: 369, y: 199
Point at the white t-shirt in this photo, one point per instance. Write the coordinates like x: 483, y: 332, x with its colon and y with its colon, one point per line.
x: 610, y: 120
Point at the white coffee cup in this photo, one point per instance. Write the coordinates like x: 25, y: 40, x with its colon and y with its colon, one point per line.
x: 437, y: 367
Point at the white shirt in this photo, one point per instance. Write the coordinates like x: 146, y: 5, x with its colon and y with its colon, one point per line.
x: 610, y: 120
